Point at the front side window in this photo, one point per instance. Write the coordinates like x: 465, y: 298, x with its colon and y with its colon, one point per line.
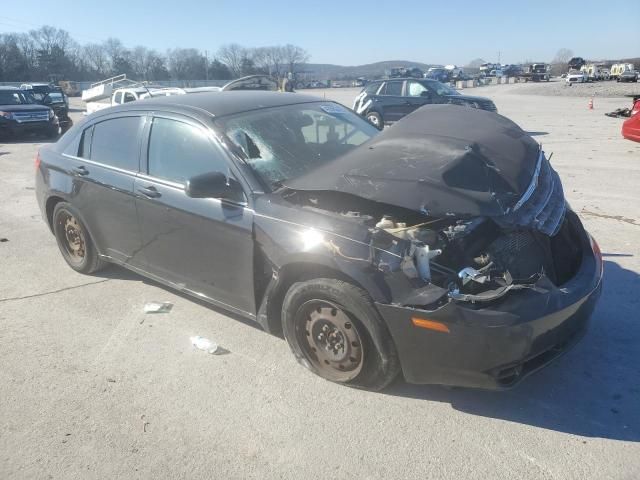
x: 440, y: 88
x: 416, y: 89
x: 115, y: 142
x: 285, y: 142
x: 179, y: 151
x: 129, y: 97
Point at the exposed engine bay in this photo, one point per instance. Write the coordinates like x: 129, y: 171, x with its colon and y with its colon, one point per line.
x: 474, y: 259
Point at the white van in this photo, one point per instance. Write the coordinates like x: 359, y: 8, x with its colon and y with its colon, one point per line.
x: 618, y: 69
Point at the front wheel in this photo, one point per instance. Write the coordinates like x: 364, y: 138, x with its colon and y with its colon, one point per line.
x: 375, y: 119
x: 335, y: 331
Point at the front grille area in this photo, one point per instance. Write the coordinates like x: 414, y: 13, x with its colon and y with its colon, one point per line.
x: 543, y: 206
x: 26, y: 117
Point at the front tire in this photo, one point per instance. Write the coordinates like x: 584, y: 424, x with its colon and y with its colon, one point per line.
x: 375, y: 119
x: 334, y: 330
x: 74, y: 241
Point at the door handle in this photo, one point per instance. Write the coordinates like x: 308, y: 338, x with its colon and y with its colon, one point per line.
x: 150, y: 192
x: 81, y: 170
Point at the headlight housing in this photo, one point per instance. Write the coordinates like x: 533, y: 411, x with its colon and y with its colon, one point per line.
x: 51, y: 114
x: 7, y: 115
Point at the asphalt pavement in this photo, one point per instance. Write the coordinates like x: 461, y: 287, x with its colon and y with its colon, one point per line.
x: 92, y: 387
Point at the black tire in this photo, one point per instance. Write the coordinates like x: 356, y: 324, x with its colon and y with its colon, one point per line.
x: 53, y: 132
x: 367, y: 349
x: 375, y: 119
x: 74, y: 241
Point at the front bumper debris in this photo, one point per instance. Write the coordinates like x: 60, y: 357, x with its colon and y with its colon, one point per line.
x: 494, y: 346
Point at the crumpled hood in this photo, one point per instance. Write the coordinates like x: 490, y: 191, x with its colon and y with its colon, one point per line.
x: 440, y: 160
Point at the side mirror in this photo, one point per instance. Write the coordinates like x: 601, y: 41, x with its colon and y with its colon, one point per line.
x: 214, y: 185
x: 425, y: 94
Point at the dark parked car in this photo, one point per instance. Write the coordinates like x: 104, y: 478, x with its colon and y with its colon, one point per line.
x: 386, y: 101
x: 53, y: 97
x: 439, y: 74
x: 19, y: 114
x: 576, y: 63
x: 442, y: 247
x: 628, y: 76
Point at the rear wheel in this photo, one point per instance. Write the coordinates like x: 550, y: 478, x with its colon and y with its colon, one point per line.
x: 74, y: 241
x: 375, y: 119
x: 335, y: 331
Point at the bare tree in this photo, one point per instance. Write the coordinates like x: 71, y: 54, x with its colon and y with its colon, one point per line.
x: 233, y: 55
x: 269, y: 60
x: 95, y: 56
x: 476, y: 63
x: 294, y: 56
x: 563, y: 56
x: 186, y: 64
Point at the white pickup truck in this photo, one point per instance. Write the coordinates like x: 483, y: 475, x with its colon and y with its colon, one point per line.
x: 131, y: 94
x: 122, y: 90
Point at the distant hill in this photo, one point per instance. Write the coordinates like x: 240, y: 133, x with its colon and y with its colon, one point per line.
x: 323, y: 71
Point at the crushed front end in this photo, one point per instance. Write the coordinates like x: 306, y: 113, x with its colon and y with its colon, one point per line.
x: 501, y: 296
x: 486, y: 274
x: 524, y: 301
x: 479, y: 301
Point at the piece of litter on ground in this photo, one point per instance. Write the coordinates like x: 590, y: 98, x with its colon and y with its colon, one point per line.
x: 111, y: 380
x: 4, y: 239
x: 158, y: 307
x: 204, y: 344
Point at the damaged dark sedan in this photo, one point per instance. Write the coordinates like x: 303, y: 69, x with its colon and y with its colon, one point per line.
x: 442, y: 247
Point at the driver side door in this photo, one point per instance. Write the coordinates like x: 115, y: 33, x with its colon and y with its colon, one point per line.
x: 203, y: 245
x: 418, y: 95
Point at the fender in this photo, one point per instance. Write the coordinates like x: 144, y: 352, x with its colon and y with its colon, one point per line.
x: 361, y: 103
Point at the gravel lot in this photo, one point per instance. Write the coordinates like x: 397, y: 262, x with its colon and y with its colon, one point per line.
x: 90, y: 387
x: 560, y: 88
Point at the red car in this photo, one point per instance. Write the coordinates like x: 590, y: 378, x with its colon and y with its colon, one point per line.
x: 631, y: 127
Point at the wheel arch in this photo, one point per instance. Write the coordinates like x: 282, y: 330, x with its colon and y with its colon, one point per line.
x: 270, y: 311
x: 50, y: 206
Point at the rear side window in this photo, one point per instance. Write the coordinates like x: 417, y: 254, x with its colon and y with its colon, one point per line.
x: 179, y: 151
x: 372, y: 88
x: 84, y: 148
x: 116, y: 142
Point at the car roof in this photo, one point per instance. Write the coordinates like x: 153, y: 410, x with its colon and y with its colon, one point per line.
x: 7, y: 87
x: 220, y: 103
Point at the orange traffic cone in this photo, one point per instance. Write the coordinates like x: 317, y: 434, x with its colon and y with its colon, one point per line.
x: 591, y: 104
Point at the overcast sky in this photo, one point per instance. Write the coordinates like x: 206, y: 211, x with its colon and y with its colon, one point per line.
x: 352, y: 32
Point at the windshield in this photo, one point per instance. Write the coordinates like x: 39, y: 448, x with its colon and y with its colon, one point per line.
x: 56, y: 97
x: 441, y: 88
x: 285, y: 142
x: 12, y: 98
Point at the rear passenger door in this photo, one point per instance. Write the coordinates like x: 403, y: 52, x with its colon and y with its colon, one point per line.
x: 103, y: 171
x: 394, y: 105
x: 204, y: 245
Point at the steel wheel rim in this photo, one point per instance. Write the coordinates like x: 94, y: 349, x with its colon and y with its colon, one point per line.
x: 73, y: 239
x: 330, y: 340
